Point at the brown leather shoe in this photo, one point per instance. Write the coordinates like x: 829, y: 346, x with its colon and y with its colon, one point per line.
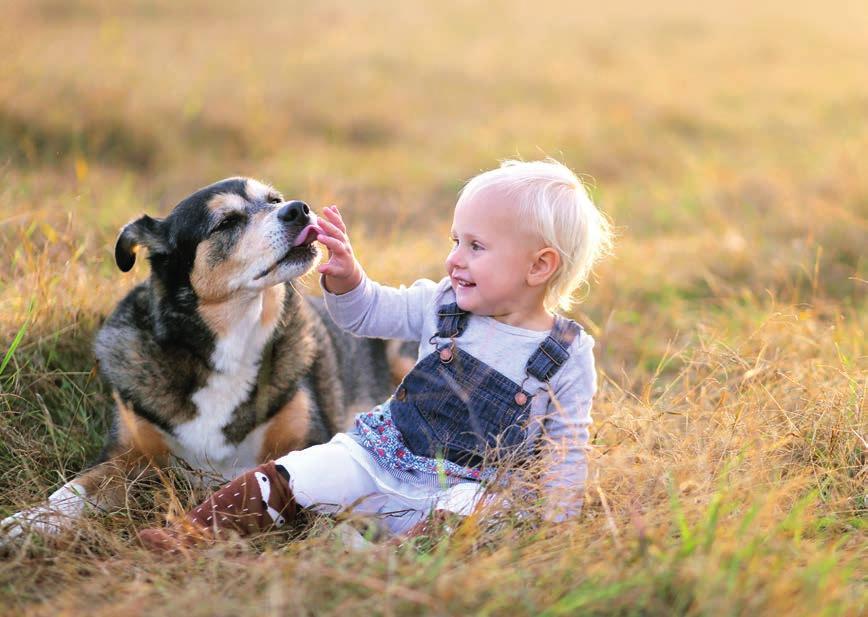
x: 252, y: 503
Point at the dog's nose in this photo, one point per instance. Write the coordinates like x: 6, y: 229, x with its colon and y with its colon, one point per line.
x: 294, y: 212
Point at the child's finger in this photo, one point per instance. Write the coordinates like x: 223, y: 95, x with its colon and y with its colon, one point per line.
x: 337, y: 250
x: 332, y: 230
x: 340, y: 219
x: 330, y: 217
x: 334, y: 245
x: 335, y: 218
x: 330, y: 269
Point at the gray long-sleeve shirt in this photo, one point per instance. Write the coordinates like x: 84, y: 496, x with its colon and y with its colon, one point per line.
x: 563, y: 413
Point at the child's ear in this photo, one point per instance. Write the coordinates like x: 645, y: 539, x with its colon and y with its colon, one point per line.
x: 545, y: 264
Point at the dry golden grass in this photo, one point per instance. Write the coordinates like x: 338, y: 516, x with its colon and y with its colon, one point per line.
x: 727, y: 142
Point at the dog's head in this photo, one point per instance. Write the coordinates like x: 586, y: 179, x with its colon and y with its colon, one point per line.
x: 234, y: 235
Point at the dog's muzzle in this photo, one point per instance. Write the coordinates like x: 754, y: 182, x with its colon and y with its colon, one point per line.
x: 298, y: 213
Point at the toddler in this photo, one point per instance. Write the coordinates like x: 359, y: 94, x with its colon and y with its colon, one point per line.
x: 500, y: 375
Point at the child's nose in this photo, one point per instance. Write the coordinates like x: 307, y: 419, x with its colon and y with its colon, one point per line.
x: 454, y: 258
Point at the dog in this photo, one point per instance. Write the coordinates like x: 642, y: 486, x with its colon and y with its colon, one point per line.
x: 216, y: 360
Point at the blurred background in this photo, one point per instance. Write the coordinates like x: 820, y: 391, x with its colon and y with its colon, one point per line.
x: 726, y: 141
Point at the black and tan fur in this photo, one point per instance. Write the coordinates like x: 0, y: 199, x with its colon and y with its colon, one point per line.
x: 216, y: 359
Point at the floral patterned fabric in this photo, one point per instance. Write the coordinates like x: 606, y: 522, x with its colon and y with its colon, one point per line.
x: 379, y: 435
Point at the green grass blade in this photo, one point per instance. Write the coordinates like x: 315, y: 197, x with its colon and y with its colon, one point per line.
x: 17, y: 340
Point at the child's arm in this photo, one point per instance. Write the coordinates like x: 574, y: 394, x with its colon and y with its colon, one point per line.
x: 566, y: 428
x: 357, y: 303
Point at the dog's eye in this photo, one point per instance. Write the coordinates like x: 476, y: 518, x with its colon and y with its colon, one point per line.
x: 229, y: 222
x: 274, y: 199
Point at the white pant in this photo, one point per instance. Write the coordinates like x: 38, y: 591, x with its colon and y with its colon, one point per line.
x: 340, y: 475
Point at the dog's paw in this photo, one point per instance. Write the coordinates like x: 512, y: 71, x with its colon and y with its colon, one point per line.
x: 63, y: 507
x: 41, y: 519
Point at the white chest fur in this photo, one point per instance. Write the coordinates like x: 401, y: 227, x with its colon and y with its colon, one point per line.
x: 236, y: 358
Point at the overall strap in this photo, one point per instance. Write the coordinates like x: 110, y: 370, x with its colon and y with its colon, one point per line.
x: 451, y: 320
x: 552, y: 352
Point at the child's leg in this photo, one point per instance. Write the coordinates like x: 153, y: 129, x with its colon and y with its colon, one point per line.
x: 327, y: 479
x: 253, y: 502
x: 332, y: 480
x: 323, y: 477
x: 448, y: 509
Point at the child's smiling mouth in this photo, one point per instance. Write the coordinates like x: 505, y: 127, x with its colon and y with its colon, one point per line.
x: 462, y: 282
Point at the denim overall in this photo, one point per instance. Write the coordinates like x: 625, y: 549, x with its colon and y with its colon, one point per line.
x: 454, y: 406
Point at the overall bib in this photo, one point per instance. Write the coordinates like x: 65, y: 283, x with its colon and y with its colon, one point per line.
x: 453, y: 406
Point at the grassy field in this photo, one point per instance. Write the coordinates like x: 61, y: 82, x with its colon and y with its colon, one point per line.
x: 727, y: 142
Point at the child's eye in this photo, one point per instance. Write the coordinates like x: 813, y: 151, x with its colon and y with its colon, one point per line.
x: 476, y: 246
x: 453, y: 240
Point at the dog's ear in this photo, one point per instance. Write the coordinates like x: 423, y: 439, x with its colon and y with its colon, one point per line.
x: 145, y: 232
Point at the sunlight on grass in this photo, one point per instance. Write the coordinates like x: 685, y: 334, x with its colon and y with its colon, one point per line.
x: 727, y: 143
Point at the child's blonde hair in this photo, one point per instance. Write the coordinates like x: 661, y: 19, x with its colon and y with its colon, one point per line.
x: 556, y: 203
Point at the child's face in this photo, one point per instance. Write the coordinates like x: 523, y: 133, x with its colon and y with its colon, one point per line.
x: 491, y: 255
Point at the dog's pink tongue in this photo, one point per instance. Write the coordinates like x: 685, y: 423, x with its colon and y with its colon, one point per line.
x: 308, y: 234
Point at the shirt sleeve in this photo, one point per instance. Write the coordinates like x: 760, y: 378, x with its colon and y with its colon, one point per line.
x: 380, y: 311
x: 566, y: 433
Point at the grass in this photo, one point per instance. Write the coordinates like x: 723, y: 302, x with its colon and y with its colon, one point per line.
x: 729, y: 445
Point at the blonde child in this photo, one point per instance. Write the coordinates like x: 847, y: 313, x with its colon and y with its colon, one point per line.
x: 498, y: 369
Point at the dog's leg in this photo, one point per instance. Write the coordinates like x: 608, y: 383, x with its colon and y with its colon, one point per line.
x: 138, y: 446
x: 67, y: 502
x: 64, y: 505
x: 102, y: 487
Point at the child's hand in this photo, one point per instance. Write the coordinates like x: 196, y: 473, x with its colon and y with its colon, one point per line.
x: 342, y: 271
